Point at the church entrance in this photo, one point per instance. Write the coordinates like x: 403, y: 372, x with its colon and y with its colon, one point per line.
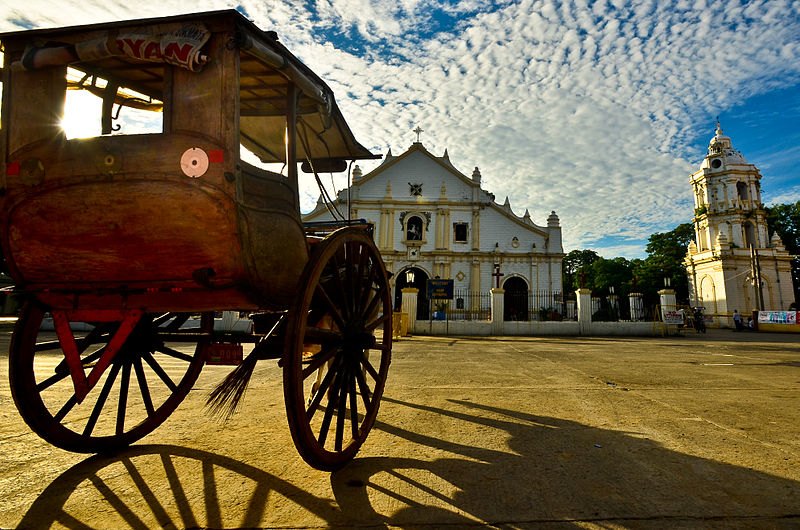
x: 515, y: 300
x: 418, y: 279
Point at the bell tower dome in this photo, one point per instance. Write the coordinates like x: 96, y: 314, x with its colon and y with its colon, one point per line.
x: 733, y: 263
x: 727, y: 196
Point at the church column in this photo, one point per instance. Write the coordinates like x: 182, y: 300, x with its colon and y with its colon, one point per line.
x: 475, y: 276
x: 447, y: 229
x: 437, y: 241
x: 390, y: 229
x: 476, y: 229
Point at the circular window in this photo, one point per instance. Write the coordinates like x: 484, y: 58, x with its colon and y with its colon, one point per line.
x: 716, y: 163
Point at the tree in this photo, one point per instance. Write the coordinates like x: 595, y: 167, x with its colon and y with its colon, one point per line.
x: 615, y: 272
x: 665, y: 254
x: 784, y: 219
x: 577, y: 269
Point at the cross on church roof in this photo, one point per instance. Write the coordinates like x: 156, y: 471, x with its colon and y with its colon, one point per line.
x: 418, y: 130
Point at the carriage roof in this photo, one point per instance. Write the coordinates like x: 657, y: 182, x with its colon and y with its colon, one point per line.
x: 266, y: 70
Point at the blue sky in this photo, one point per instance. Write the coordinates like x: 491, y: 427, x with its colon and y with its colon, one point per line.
x: 598, y: 110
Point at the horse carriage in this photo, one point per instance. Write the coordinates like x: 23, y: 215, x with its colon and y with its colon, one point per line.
x: 128, y: 242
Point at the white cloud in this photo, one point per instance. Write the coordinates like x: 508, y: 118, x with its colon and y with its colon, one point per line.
x: 586, y: 108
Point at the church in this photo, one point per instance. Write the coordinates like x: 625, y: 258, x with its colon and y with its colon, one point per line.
x: 432, y: 221
x: 734, y: 263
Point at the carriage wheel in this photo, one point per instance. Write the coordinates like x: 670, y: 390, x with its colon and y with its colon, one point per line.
x: 138, y: 389
x: 338, y: 349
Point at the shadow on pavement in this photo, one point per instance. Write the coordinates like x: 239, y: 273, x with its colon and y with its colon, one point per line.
x: 521, y: 470
x: 163, y: 486
x: 551, y: 470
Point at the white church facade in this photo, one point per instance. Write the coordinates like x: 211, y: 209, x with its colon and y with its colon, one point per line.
x: 432, y: 221
x: 734, y: 263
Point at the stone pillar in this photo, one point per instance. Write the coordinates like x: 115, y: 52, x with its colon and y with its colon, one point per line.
x: 584, y: 310
x: 571, y: 310
x: 409, y: 306
x: 637, y: 306
x: 668, y: 302
x: 613, y: 302
x: 498, y: 305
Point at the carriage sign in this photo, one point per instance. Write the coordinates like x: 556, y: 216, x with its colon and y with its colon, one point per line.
x: 440, y: 289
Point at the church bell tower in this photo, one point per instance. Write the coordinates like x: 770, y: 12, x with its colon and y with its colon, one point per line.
x: 733, y: 263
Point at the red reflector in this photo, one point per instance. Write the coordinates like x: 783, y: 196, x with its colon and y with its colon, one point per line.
x: 12, y: 168
x: 216, y: 156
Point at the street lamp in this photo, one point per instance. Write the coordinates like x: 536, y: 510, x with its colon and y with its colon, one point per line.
x: 409, y: 277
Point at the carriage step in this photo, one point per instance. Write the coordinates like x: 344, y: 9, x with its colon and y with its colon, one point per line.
x: 224, y: 354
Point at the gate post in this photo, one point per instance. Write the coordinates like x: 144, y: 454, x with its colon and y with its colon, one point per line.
x: 498, y: 305
x: 668, y: 303
x: 409, y: 306
x: 637, y: 306
x: 584, y: 310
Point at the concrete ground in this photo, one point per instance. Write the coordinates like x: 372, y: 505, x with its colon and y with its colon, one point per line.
x: 699, y: 431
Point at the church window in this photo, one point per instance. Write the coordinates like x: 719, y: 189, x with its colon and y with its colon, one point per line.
x: 741, y: 190
x: 750, y: 235
x: 414, y: 228
x: 460, y: 232
x: 415, y: 190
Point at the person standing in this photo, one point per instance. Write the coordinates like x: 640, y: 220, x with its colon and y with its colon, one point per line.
x: 737, y: 320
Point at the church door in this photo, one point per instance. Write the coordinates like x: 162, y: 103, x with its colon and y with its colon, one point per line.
x: 417, y: 278
x: 515, y: 301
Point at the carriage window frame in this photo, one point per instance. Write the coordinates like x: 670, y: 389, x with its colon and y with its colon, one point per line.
x: 124, y: 120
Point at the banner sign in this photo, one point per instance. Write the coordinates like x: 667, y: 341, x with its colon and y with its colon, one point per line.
x: 440, y: 289
x: 777, y: 317
x: 672, y: 317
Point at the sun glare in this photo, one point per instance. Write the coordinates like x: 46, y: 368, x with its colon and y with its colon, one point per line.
x: 81, y: 115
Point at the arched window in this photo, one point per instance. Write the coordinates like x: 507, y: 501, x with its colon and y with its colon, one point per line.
x: 750, y: 235
x: 741, y: 190
x: 414, y: 228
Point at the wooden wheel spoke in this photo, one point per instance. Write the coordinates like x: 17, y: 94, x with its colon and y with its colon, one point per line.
x: 122, y: 405
x: 350, y: 279
x: 324, y: 385
x: 148, y: 357
x: 370, y: 369
x: 47, y: 346
x: 371, y: 286
x: 377, y: 322
x: 329, y: 409
x: 143, y: 388
x: 101, y: 400
x: 315, y: 362
x: 331, y: 307
x: 336, y: 275
x: 341, y: 411
x: 166, y: 350
x: 370, y: 308
x: 364, y: 390
x: 101, y: 409
x: 65, y: 408
x: 353, y: 408
x: 345, y: 288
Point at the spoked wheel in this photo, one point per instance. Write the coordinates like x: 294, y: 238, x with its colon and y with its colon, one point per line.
x: 103, y: 379
x: 338, y: 349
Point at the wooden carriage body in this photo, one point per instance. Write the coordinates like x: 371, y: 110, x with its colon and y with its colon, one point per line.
x: 168, y: 220
x: 123, y: 238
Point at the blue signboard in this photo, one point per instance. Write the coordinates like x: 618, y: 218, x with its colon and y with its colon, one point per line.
x: 440, y: 289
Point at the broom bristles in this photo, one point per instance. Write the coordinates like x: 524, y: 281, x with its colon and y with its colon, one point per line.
x: 225, y: 398
x: 223, y: 401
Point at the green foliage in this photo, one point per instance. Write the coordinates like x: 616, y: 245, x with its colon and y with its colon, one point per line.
x: 666, y: 252
x: 577, y: 268
x: 785, y: 220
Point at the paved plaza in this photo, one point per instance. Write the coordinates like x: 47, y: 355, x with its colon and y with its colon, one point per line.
x: 697, y: 431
